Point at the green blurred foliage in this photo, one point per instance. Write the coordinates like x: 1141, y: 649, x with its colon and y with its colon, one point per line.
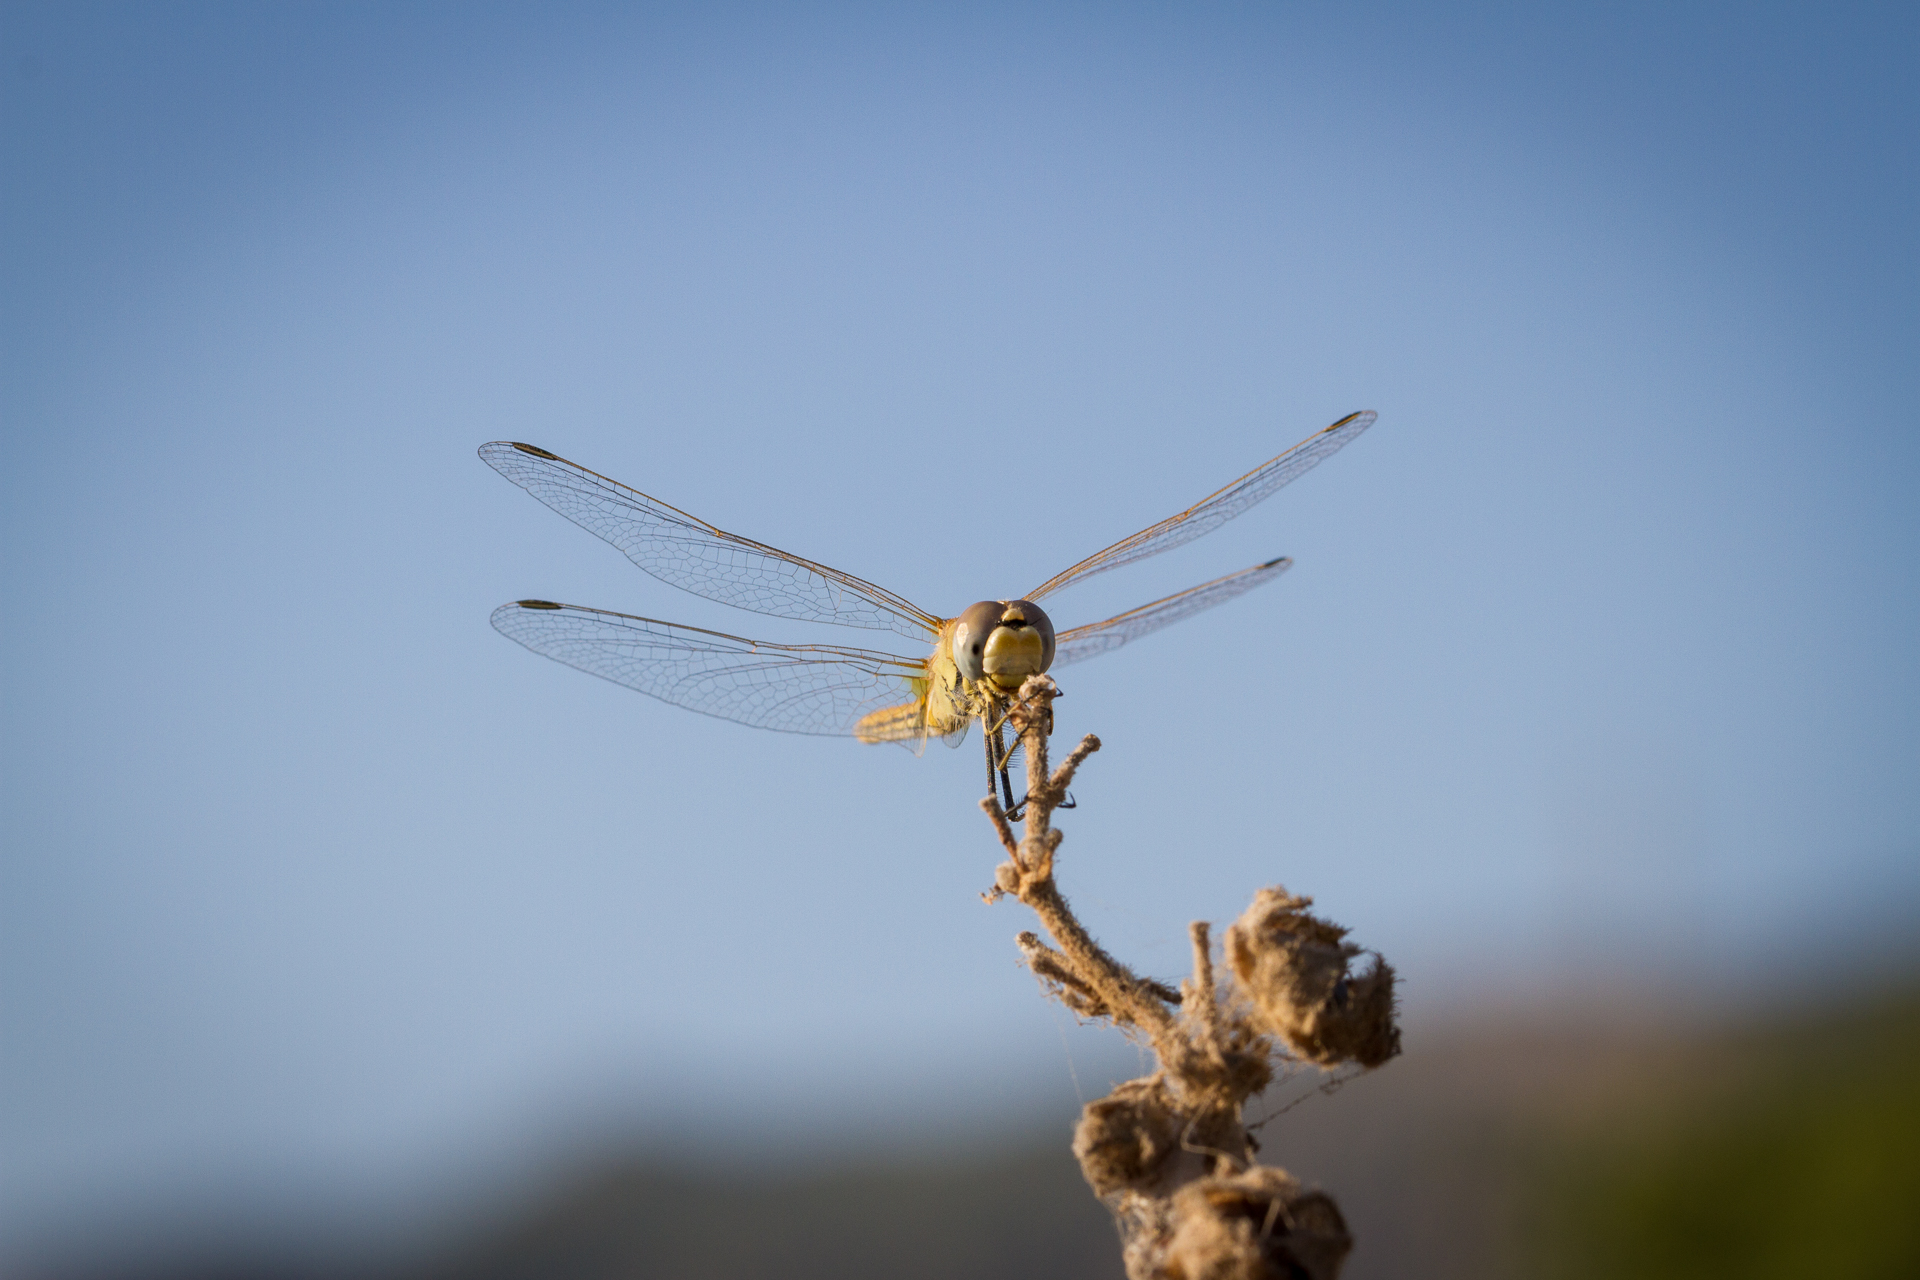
x: 1788, y: 1151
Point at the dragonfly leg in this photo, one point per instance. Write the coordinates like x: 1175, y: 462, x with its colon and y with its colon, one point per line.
x: 998, y: 759
x: 1004, y: 758
x: 987, y: 737
x: 1014, y: 809
x: 997, y: 756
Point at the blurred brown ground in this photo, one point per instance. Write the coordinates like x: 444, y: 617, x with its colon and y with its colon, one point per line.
x: 1616, y: 1144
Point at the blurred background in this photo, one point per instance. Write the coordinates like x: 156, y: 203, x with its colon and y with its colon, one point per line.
x: 339, y: 935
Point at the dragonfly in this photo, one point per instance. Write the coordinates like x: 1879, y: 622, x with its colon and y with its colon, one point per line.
x: 979, y: 657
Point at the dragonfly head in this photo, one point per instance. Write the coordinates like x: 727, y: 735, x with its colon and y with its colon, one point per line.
x: 1004, y: 641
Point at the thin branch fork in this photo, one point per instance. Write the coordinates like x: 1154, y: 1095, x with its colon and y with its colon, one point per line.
x: 1028, y: 875
x: 1195, y: 1049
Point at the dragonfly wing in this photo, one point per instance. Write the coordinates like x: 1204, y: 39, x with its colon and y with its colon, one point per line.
x: 1209, y: 514
x: 695, y: 556
x: 1098, y: 637
x: 819, y: 689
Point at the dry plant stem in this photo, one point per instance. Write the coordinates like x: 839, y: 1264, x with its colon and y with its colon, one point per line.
x: 1203, y: 998
x: 1125, y: 996
x: 1057, y: 971
x: 1169, y: 1153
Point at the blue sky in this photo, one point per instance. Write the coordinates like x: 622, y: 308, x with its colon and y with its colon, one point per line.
x: 1598, y: 657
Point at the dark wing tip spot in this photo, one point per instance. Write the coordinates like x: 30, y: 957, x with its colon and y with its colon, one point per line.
x: 1277, y: 560
x: 538, y: 604
x: 537, y: 452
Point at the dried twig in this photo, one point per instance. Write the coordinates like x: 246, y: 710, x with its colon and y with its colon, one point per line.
x: 1169, y: 1153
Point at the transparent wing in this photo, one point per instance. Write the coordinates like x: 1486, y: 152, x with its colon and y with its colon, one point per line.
x: 1206, y: 516
x: 1098, y: 637
x: 693, y: 555
x: 820, y: 689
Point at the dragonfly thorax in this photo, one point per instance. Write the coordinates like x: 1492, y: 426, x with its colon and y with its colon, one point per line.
x: 1003, y: 641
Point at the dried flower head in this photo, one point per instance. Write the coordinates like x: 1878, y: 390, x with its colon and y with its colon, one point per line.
x: 1297, y: 969
x: 1123, y: 1140
x: 1255, y: 1225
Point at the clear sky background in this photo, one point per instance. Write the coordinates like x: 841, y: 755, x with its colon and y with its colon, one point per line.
x: 1598, y: 665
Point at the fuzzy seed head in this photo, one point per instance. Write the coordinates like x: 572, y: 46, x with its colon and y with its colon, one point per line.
x: 1297, y: 970
x: 1256, y: 1225
x: 1124, y: 1139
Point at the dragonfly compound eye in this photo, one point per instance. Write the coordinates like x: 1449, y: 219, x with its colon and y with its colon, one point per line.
x: 976, y: 623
